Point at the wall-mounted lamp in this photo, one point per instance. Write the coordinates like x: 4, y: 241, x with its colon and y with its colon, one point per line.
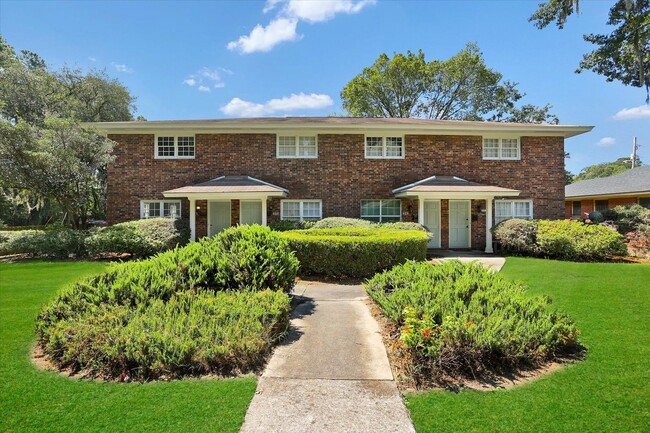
x: 198, y: 208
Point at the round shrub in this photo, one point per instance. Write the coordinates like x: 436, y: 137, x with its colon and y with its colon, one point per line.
x: 59, y: 242
x: 354, y: 251
x: 628, y: 218
x: 336, y: 222
x: 140, y: 238
x: 460, y: 319
x: 215, y: 306
x: 573, y: 240
x: 403, y: 225
x: 517, y: 236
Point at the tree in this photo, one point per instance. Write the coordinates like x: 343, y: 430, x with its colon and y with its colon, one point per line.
x: 605, y: 169
x: 624, y: 54
x: 568, y: 176
x: 46, y: 154
x: 461, y: 87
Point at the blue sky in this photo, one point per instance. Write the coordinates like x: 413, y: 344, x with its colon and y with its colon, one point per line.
x: 198, y: 60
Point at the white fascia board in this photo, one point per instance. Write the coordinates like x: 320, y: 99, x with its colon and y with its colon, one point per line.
x: 224, y: 195
x: 458, y: 195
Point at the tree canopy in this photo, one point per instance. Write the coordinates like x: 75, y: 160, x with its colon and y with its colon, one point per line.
x: 461, y: 87
x: 605, y: 169
x: 46, y: 154
x: 624, y: 54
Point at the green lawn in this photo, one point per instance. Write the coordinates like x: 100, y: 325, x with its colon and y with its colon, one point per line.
x: 37, y: 401
x: 607, y: 392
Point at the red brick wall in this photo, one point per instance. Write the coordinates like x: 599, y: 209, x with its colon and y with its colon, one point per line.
x: 341, y: 176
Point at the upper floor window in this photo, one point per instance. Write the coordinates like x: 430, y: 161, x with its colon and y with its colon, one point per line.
x: 174, y: 147
x: 506, y: 209
x: 300, y: 146
x: 301, y: 210
x: 501, y: 148
x: 381, y: 210
x: 160, y: 209
x: 384, y: 147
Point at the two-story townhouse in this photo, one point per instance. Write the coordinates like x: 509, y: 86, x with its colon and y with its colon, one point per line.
x: 458, y: 178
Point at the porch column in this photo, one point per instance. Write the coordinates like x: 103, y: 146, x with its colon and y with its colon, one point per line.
x: 420, y: 210
x: 192, y: 219
x: 264, y: 200
x: 488, y: 224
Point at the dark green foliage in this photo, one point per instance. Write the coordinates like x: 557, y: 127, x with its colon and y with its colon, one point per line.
x: 628, y: 218
x: 573, y: 240
x: 354, y: 251
x: 283, y: 225
x: 456, y: 318
x: 214, y: 306
x: 335, y: 222
x: 140, y: 238
x: 517, y: 236
x: 59, y: 242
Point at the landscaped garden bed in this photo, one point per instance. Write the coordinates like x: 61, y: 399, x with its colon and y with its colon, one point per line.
x: 454, y: 322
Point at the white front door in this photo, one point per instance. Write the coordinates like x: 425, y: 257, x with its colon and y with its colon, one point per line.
x: 250, y: 212
x: 459, y: 223
x: 432, y: 221
x: 218, y: 216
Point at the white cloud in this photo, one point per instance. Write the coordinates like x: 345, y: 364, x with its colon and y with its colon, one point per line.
x: 265, y: 38
x: 122, y: 68
x: 294, y: 102
x: 206, y: 78
x: 270, y: 5
x: 92, y: 59
x: 606, y: 142
x: 323, y: 10
x: 640, y: 112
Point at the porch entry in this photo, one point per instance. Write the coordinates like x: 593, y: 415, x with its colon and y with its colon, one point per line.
x: 218, y: 216
x: 459, y: 215
x: 432, y: 221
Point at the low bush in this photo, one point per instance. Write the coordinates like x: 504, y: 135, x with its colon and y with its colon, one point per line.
x: 628, y: 218
x: 216, y: 305
x: 58, y: 242
x: 517, y: 236
x: 403, y: 225
x: 337, y: 222
x: 354, y: 251
x: 460, y: 319
x: 573, y: 240
x: 140, y: 238
x: 283, y: 225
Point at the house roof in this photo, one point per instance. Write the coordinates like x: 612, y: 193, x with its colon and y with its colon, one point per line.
x: 228, y: 184
x: 629, y: 182
x: 340, y: 124
x: 453, y: 184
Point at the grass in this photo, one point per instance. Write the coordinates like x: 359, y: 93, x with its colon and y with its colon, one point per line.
x: 36, y: 401
x: 607, y: 392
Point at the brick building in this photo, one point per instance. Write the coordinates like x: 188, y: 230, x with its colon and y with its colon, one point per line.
x: 457, y: 178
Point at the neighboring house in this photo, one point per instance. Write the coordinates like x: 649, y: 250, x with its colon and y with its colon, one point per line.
x: 458, y: 178
x: 629, y: 187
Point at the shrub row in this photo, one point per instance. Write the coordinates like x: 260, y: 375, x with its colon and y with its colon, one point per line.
x: 564, y: 240
x: 340, y: 222
x: 355, y: 251
x: 214, y: 306
x: 460, y: 319
x: 140, y: 238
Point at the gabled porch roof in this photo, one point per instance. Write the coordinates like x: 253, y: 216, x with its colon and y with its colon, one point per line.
x: 227, y: 186
x: 453, y: 187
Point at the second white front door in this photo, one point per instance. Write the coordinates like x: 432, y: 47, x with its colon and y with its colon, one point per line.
x: 250, y: 212
x: 459, y: 216
x: 432, y: 221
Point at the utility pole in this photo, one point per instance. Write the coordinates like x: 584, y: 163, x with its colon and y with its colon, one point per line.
x: 635, y: 147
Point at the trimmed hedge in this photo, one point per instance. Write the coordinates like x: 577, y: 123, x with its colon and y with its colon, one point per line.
x: 338, y: 222
x: 217, y: 305
x: 140, y: 238
x: 57, y: 242
x: 518, y: 236
x: 460, y: 319
x: 354, y: 251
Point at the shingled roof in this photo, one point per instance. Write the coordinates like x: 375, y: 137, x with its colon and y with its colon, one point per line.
x: 229, y: 184
x: 451, y: 184
x: 635, y: 181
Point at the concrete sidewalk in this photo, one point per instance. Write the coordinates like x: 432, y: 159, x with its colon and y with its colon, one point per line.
x: 332, y: 373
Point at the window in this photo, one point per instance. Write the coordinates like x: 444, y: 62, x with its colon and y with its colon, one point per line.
x: 601, y: 205
x: 576, y: 209
x: 302, y: 146
x: 381, y: 210
x: 501, y: 148
x: 160, y: 209
x: 645, y: 202
x: 384, y: 147
x: 506, y: 209
x: 301, y: 210
x: 174, y: 147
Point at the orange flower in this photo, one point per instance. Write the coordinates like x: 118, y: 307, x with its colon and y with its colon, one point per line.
x: 426, y: 333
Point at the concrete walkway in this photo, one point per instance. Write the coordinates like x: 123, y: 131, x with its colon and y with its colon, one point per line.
x: 489, y: 261
x: 332, y: 372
